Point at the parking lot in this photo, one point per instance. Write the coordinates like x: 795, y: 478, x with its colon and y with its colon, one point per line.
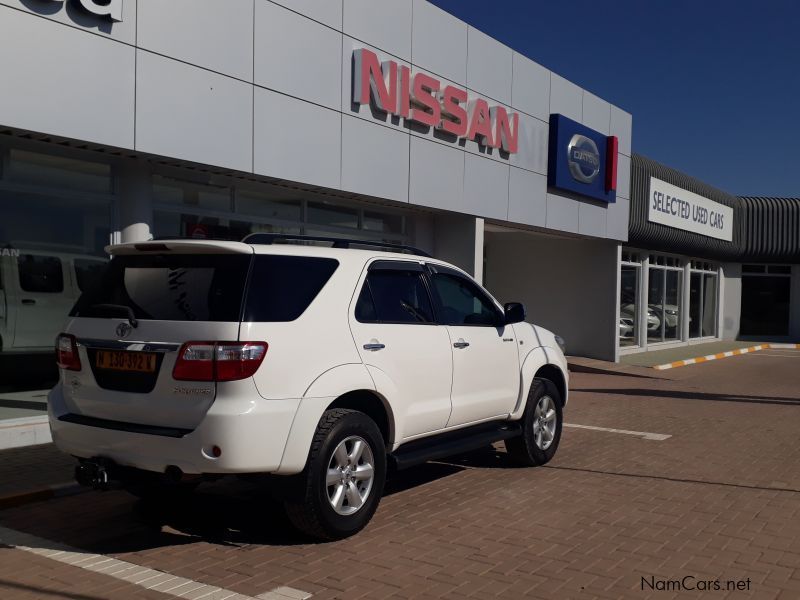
x: 697, y: 486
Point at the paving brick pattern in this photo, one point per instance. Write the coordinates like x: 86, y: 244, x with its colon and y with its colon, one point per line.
x: 720, y: 499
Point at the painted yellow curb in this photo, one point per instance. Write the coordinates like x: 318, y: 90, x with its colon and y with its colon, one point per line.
x: 702, y: 359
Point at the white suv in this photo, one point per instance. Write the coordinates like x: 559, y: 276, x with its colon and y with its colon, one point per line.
x: 188, y: 360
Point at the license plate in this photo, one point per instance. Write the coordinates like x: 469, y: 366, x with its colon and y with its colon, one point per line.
x: 139, y: 362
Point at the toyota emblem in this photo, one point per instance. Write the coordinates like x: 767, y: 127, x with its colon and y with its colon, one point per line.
x: 123, y: 330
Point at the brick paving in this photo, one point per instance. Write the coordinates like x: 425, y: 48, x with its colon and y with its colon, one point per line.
x: 720, y: 499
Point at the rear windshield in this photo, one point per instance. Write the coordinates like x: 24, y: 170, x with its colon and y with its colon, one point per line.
x: 163, y: 287
x: 205, y: 287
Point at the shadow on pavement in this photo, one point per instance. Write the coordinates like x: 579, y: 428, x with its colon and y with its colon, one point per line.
x: 693, y: 396
x: 39, y: 592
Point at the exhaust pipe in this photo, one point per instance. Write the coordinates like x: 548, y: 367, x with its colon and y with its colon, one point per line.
x: 93, y: 474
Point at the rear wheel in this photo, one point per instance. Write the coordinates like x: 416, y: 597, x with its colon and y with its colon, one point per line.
x: 541, y: 426
x: 343, y: 479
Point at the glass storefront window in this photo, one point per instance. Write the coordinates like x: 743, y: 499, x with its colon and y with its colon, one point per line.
x: 331, y: 215
x: 702, y: 305
x: 384, y: 223
x: 655, y: 303
x: 51, y: 171
x: 189, y: 194
x: 628, y: 313
x: 269, y: 206
x: 766, y: 296
x: 672, y: 305
x: 664, y: 305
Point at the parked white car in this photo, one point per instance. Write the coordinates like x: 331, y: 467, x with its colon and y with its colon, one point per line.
x: 37, y: 290
x: 192, y: 359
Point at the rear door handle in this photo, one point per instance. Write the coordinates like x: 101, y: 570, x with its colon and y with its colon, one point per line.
x: 461, y: 344
x: 374, y: 347
x: 28, y: 301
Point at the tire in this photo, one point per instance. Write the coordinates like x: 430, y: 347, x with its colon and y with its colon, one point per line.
x: 343, y: 508
x: 539, y: 440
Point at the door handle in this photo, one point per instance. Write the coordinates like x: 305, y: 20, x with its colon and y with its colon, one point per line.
x: 374, y: 347
x: 461, y: 344
x: 28, y: 301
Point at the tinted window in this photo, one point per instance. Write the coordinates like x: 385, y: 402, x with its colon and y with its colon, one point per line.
x: 283, y: 287
x: 399, y: 297
x: 88, y: 272
x: 365, y: 307
x: 462, y: 302
x: 40, y: 274
x: 167, y: 287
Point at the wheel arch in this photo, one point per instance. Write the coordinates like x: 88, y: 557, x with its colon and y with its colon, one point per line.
x: 374, y: 406
x: 553, y: 374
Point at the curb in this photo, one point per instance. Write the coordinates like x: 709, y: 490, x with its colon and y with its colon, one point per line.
x: 719, y: 355
x: 40, y: 495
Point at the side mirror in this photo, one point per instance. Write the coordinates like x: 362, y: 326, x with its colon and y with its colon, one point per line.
x: 515, y: 313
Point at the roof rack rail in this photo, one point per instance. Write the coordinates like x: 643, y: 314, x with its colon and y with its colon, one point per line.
x: 271, y: 238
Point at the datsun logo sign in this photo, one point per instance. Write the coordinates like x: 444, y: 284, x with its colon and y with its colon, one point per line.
x: 423, y: 99
x: 581, y: 160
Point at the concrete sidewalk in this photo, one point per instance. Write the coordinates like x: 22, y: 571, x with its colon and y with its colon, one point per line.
x: 660, y: 357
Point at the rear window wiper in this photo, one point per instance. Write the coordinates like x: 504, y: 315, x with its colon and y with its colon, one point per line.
x: 114, y: 311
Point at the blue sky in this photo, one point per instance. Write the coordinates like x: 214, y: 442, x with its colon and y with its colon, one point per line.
x: 713, y: 86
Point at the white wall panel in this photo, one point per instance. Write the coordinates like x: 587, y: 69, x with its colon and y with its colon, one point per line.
x: 533, y: 144
x: 385, y: 24
x: 70, y: 13
x: 286, y: 61
x: 617, y: 220
x: 596, y: 113
x: 193, y: 114
x: 298, y: 141
x: 328, y: 12
x: 623, y: 176
x: 531, y: 88
x: 592, y: 219
x: 374, y: 160
x: 59, y: 80
x: 489, y: 66
x: 207, y: 33
x: 439, y: 42
x: 527, y: 198
x: 566, y: 98
x: 622, y: 126
x: 562, y: 213
x: 485, y: 188
x: 436, y: 175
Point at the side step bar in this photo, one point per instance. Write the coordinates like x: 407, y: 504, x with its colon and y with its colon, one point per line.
x: 456, y: 442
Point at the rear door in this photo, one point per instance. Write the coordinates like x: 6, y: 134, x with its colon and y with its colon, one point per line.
x: 126, y: 371
x: 400, y: 342
x: 486, y: 375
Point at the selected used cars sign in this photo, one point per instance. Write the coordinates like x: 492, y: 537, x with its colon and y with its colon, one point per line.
x: 675, y: 207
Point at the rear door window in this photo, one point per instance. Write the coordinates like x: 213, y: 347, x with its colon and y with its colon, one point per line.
x: 394, y: 295
x: 283, y: 287
x: 165, y: 287
x: 88, y: 272
x: 40, y: 274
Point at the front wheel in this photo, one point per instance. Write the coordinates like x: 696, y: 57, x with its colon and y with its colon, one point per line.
x: 343, y: 479
x: 541, y: 426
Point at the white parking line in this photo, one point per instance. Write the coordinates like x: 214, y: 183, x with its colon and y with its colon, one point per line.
x: 656, y: 437
x: 143, y: 577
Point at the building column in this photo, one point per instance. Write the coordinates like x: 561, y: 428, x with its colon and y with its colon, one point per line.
x: 135, y: 204
x: 458, y: 239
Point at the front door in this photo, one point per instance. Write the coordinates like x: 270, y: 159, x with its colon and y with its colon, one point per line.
x: 486, y: 376
x: 406, y: 352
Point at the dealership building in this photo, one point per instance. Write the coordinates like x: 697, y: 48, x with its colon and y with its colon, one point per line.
x: 384, y: 120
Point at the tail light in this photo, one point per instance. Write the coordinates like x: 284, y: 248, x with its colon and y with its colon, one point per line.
x: 218, y: 361
x: 67, y: 352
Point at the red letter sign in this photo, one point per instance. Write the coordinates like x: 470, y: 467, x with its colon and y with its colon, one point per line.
x: 454, y: 115
x: 380, y: 79
x: 424, y: 86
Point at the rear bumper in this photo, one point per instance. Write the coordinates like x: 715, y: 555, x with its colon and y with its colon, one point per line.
x: 251, y: 433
